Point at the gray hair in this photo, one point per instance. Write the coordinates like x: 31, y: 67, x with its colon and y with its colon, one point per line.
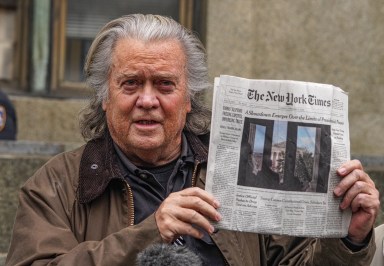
x: 145, y: 28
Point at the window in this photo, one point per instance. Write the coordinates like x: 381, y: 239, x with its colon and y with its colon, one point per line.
x: 76, y: 23
x: 7, y: 39
x: 51, y: 38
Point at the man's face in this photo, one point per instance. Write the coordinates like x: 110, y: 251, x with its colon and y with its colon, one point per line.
x: 148, y: 102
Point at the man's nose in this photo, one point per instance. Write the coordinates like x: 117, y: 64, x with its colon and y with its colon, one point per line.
x: 147, y: 97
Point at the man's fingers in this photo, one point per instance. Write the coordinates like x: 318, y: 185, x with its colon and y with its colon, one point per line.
x: 369, y: 202
x: 202, y: 194
x: 351, y: 179
x: 194, y: 217
x: 171, y: 231
x: 365, y: 208
x: 192, y: 210
x: 360, y: 194
x: 200, y: 206
x: 184, y: 211
x: 195, y: 199
x: 355, y: 169
x: 358, y: 189
x: 349, y: 166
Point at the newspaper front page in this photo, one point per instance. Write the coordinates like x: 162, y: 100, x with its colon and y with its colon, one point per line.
x: 275, y: 146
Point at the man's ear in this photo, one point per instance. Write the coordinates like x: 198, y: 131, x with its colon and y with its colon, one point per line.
x: 189, y: 105
x: 104, y: 105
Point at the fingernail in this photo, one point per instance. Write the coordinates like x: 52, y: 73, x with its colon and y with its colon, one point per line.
x: 211, y: 229
x: 342, y: 171
x: 218, y: 217
x: 337, y: 191
x: 216, y: 204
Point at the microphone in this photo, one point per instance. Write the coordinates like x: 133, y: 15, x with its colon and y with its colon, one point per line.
x: 167, y: 255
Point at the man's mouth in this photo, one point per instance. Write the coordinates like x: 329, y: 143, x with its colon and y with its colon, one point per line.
x: 146, y: 122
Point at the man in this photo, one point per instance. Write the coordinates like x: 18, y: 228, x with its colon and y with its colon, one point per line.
x: 8, y: 121
x: 139, y: 180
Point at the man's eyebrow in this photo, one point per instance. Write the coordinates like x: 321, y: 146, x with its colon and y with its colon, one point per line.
x: 166, y: 76
x: 121, y: 76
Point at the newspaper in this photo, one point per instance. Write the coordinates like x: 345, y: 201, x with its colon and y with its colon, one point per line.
x: 275, y: 146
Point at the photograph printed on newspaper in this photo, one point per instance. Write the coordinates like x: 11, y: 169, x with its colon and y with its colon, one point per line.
x: 274, y: 149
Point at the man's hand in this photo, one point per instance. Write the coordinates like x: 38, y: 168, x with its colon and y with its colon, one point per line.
x: 180, y: 210
x: 359, y: 193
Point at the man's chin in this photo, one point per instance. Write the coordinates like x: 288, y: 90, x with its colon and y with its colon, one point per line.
x: 148, y: 144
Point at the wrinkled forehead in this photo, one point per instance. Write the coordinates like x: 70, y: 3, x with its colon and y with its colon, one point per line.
x: 158, y: 46
x: 161, y: 56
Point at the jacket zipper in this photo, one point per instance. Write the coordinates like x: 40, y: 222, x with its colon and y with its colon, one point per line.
x: 194, y: 173
x: 131, y: 205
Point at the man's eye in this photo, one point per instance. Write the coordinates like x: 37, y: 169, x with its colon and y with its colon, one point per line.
x: 130, y: 84
x: 165, y: 85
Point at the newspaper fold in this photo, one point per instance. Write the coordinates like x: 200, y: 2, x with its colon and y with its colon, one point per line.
x: 275, y: 146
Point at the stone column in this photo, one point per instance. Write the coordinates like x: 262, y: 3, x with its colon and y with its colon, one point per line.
x: 40, y: 45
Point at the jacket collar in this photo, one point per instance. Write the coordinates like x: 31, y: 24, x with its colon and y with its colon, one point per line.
x: 98, y: 167
x: 99, y: 164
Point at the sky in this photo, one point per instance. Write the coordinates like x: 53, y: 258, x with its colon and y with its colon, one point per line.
x: 306, y: 136
x: 258, y: 146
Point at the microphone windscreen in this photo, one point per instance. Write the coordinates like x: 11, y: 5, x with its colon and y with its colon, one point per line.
x: 167, y: 255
